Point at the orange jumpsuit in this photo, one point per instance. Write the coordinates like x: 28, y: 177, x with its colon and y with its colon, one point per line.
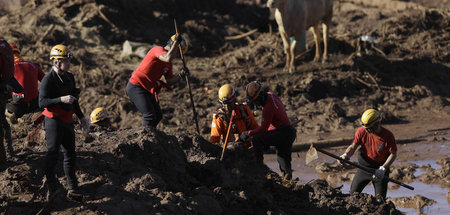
x: 243, y: 121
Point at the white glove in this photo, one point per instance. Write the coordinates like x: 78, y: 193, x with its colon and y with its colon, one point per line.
x: 85, y: 126
x: 379, y: 173
x: 343, y: 156
x: 69, y: 99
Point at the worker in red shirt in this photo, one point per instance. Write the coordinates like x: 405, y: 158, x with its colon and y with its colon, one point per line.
x: 378, y: 151
x: 243, y: 119
x: 275, y: 130
x: 28, y: 75
x: 145, y: 84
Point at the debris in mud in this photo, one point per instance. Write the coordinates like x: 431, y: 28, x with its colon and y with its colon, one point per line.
x: 417, y: 202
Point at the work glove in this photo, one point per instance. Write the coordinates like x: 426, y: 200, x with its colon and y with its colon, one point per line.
x: 178, y: 38
x: 69, y: 99
x: 379, y: 173
x: 343, y: 156
x: 244, y: 136
x: 184, y: 72
x: 85, y: 126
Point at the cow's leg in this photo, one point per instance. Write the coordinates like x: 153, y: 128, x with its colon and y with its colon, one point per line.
x: 286, y: 46
x: 316, y: 33
x: 291, y: 62
x: 325, y: 42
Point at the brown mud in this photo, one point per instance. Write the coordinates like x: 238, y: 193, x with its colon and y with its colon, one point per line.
x: 406, y: 75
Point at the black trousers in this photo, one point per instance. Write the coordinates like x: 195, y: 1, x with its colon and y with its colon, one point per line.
x: 19, y: 108
x: 5, y: 131
x: 146, y: 104
x: 362, y: 178
x: 60, y: 134
x: 282, y: 138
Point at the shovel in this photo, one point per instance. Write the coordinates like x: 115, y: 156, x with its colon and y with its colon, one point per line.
x: 371, y: 171
x: 311, y: 154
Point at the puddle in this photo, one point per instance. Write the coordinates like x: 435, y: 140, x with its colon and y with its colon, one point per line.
x: 430, y: 163
x: 431, y: 191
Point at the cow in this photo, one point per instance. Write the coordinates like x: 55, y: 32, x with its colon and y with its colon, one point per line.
x: 294, y: 17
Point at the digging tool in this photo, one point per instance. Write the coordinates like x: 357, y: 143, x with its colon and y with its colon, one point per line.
x: 187, y: 80
x: 233, y: 114
x: 369, y: 170
x: 311, y: 155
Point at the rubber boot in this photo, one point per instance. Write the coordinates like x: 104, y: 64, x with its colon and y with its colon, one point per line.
x: 287, y: 175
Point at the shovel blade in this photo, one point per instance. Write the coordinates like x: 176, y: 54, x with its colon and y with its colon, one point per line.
x: 311, y: 154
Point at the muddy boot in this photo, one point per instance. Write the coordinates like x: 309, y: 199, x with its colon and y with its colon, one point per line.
x: 380, y: 199
x: 287, y: 175
x: 75, y: 194
x: 12, y: 117
x: 52, y: 192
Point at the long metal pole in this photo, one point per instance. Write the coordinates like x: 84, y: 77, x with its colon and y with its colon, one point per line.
x: 187, y: 81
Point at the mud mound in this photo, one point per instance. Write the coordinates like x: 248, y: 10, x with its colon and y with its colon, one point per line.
x: 142, y: 170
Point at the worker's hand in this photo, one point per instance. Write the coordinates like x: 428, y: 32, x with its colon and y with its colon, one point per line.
x: 178, y: 38
x: 343, y: 156
x: 85, y: 126
x: 244, y: 136
x: 379, y: 173
x: 69, y: 99
x: 184, y: 72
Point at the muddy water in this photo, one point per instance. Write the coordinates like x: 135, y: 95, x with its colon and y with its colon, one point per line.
x: 306, y: 173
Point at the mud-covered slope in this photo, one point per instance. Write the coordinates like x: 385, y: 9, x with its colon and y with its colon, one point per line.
x: 145, y: 171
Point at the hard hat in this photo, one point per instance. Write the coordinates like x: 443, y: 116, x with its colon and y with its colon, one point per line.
x: 14, y: 48
x: 370, y: 118
x: 253, y: 90
x: 183, y: 43
x: 227, y: 94
x: 60, y: 52
x: 98, y: 114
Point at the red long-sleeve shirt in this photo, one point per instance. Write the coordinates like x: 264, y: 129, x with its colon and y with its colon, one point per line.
x: 273, y: 115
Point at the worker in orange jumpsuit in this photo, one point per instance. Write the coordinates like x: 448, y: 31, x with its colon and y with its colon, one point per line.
x: 242, y: 121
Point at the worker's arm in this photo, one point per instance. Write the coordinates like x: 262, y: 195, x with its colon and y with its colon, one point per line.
x: 390, y: 160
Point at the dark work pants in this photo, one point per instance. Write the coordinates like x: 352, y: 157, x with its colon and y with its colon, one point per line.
x: 362, y: 178
x: 5, y: 131
x: 19, y: 108
x: 282, y: 138
x: 60, y: 134
x: 146, y: 104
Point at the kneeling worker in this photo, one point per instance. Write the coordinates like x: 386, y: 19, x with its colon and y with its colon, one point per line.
x: 275, y: 130
x: 243, y: 119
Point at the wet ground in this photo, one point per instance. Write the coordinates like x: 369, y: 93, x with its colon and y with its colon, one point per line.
x: 406, y: 200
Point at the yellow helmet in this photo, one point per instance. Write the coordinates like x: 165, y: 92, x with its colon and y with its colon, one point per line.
x: 97, y: 115
x: 60, y: 52
x: 227, y: 94
x: 253, y: 90
x: 184, y: 43
x: 370, y: 118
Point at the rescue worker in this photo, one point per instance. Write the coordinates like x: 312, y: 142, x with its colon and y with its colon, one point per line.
x: 100, y: 121
x: 145, y: 84
x: 58, y: 96
x: 378, y: 151
x: 275, y: 130
x: 8, y: 84
x: 242, y: 121
x: 28, y: 75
